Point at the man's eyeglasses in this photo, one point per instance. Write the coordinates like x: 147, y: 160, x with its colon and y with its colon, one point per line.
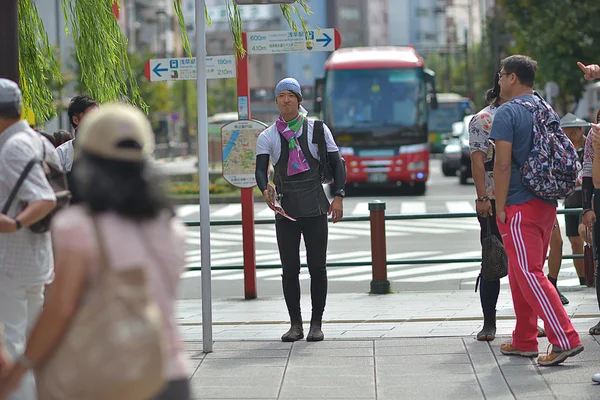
x: 503, y: 73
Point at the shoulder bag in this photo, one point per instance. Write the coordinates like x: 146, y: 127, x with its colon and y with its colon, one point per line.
x: 113, y: 346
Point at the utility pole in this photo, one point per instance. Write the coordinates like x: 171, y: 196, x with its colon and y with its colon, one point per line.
x: 469, y: 42
x: 468, y: 80
x: 496, y: 39
x: 9, y: 40
x: 131, y: 24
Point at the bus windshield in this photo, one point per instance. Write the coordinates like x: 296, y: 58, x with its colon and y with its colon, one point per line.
x: 442, y: 118
x: 369, y: 98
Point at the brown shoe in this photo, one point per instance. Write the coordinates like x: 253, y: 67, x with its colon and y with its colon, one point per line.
x: 508, y: 350
x: 558, y: 356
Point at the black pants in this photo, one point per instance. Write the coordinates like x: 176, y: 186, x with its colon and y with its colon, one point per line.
x: 314, y: 231
x: 489, y: 290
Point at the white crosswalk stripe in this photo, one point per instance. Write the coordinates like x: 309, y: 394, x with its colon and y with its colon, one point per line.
x: 412, y: 207
x: 459, y: 207
x: 361, y: 208
x: 265, y: 213
x: 230, y: 210
x: 187, y: 210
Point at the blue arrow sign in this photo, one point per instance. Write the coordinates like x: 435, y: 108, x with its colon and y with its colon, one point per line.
x: 158, y: 70
x: 327, y: 39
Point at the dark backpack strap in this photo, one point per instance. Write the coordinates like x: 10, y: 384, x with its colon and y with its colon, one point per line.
x: 319, y: 139
x: 17, y: 186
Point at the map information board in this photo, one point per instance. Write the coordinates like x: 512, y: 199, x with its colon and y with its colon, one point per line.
x: 238, y: 139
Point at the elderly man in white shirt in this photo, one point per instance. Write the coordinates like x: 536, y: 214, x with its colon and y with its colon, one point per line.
x: 25, y: 257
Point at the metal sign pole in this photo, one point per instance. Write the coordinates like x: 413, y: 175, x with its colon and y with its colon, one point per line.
x: 203, y: 178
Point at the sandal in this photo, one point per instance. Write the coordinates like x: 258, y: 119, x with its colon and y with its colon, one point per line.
x: 595, y: 330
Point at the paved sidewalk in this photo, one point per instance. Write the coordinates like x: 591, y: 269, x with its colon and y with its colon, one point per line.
x: 397, y: 346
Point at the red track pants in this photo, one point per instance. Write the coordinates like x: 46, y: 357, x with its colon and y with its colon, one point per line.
x: 526, y: 235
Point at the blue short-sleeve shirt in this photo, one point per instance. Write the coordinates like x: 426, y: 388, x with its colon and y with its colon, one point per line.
x: 514, y: 124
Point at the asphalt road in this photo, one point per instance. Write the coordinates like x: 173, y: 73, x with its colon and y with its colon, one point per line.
x: 350, y: 241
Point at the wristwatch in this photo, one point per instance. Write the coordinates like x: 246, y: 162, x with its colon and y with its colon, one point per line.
x: 340, y: 193
x: 18, y: 224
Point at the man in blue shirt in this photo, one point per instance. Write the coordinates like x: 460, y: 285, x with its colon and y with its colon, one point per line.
x: 525, y: 222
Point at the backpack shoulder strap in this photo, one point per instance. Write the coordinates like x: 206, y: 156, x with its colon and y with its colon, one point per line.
x: 15, y: 189
x: 530, y: 107
x: 318, y: 132
x: 319, y: 139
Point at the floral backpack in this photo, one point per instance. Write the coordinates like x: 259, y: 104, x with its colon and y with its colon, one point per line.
x: 552, y: 166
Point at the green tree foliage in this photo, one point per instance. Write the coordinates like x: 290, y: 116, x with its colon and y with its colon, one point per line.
x: 481, y: 72
x: 37, y: 63
x: 101, y: 51
x: 557, y: 34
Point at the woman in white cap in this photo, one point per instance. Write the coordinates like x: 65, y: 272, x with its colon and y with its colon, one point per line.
x: 123, y: 226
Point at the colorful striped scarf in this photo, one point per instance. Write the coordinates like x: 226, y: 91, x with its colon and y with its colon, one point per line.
x: 289, y: 130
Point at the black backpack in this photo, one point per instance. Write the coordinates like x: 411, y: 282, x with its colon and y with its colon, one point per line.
x: 57, y: 180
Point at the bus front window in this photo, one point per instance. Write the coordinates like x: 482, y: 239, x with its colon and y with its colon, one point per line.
x: 373, y: 97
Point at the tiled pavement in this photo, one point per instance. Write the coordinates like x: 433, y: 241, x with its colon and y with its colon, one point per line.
x: 397, y: 346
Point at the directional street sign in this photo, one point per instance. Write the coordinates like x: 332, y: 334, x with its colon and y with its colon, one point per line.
x: 181, y: 69
x: 274, y: 42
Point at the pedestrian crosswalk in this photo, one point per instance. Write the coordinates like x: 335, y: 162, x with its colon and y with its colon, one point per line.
x: 261, y: 211
x: 396, y: 273
x: 350, y: 242
x: 465, y: 272
x: 264, y: 235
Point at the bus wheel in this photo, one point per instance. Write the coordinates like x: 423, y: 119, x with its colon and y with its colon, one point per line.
x: 419, y: 188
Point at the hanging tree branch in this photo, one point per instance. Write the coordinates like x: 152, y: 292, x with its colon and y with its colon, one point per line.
x: 102, y: 51
x: 290, y: 12
x: 37, y: 63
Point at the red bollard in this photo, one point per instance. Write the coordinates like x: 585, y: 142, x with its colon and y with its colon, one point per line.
x: 249, y: 244
x: 380, y: 283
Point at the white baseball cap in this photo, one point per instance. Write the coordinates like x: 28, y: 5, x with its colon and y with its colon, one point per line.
x: 118, y: 132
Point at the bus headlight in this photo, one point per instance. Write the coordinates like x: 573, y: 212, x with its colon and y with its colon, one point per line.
x: 416, y: 165
x: 413, y: 148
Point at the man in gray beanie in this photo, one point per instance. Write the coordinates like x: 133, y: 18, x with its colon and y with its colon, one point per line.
x: 26, y: 257
x: 304, y: 155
